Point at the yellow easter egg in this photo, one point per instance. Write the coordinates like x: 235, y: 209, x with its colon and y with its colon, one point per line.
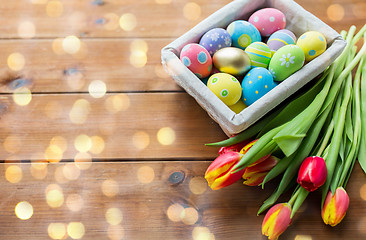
x: 226, y: 87
x: 313, y: 44
x: 238, y: 107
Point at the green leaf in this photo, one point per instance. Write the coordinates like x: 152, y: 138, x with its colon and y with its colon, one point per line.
x: 290, y: 143
x: 362, y: 150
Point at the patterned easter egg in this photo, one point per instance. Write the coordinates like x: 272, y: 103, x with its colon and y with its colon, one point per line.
x: 313, y: 44
x: 256, y: 84
x: 238, y: 107
x: 268, y: 20
x: 197, y: 59
x: 286, y: 61
x: 226, y: 87
x: 243, y: 33
x: 279, y: 39
x: 215, y: 39
x: 231, y: 60
x: 259, y: 54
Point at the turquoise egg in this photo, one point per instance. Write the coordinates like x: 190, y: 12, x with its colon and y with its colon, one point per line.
x: 256, y: 84
x: 243, y: 33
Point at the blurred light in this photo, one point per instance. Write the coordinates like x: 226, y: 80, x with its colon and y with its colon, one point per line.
x: 74, y: 202
x: 160, y: 72
x: 53, y: 153
x: 77, y: 20
x: 59, y: 141
x: 359, y: 9
x: 83, y: 160
x: 202, y: 233
x: 198, y: 185
x: 97, y: 89
x: 54, y: 8
x: 335, y: 12
x: 139, y: 45
x: 113, y: 216
x: 192, y: 11
x: 112, y: 21
x: 24, y: 210
x: 116, y: 103
x: 82, y: 143
x: 59, y: 175
x: 12, y: 144
x: 22, y: 96
x: 110, y: 188
x: 57, y: 230
x: 166, y: 136
x: 363, y: 192
x: 140, y: 140
x: 75, y: 79
x: 115, y: 232
x: 70, y: 171
x: 13, y: 174
x: 16, y: 61
x: 76, y: 230
x: 26, y: 29
x: 189, y: 216
x: 97, y: 145
x: 145, y: 174
x: 54, y: 196
x: 71, y: 44
x: 38, y: 169
x: 53, y: 109
x: 303, y: 237
x: 57, y: 46
x: 39, y: 1
x: 138, y: 59
x: 163, y: 1
x: 128, y: 22
x: 79, y: 111
x: 174, y: 212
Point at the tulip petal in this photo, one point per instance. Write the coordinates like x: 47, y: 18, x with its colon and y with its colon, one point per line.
x: 276, y: 220
x: 335, y: 207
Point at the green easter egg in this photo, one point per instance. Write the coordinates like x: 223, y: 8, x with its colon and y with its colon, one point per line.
x: 286, y: 61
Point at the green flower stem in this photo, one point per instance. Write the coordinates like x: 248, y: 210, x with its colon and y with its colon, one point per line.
x: 362, y: 150
x: 294, y: 195
x: 326, y: 138
x: 302, y: 194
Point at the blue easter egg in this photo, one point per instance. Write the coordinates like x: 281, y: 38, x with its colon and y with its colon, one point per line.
x: 243, y: 33
x: 256, y: 84
x: 215, y: 39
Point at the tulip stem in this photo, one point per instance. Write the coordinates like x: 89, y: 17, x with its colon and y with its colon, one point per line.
x: 325, y: 140
x: 294, y: 195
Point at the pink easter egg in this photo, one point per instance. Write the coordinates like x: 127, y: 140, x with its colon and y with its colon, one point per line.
x: 197, y: 59
x: 268, y: 21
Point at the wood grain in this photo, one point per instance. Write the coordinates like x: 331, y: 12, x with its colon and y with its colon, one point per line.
x: 130, y: 133
x: 148, y: 202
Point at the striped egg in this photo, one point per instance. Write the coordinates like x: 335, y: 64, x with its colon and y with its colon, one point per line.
x: 259, y: 54
x: 279, y: 39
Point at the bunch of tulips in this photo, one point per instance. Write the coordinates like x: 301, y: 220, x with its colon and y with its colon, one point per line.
x: 314, y: 141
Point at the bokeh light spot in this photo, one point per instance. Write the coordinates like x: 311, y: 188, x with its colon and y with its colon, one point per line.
x: 140, y: 140
x: 54, y: 8
x: 70, y: 171
x: 79, y: 111
x: 13, y: 174
x: 76, y: 230
x: 57, y: 46
x: 112, y: 21
x: 138, y: 59
x: 24, y: 210
x: 303, y: 237
x: 59, y: 141
x: 74, y: 202
x: 139, y: 45
x: 54, y: 196
x: 53, y: 153
x: 71, y: 44
x: 22, y: 96
x: 174, y: 212
x: 166, y: 136
x: 192, y: 11
x: 16, y: 61
x: 12, y: 144
x: 26, y: 29
x: 363, y: 192
x: 335, y: 12
x: 113, y: 216
x: 116, y: 103
x: 57, y: 230
x: 128, y: 22
x: 163, y: 1
x: 198, y: 185
x: 110, y: 188
x: 202, y: 233
x: 115, y: 232
x: 83, y: 160
x: 145, y: 174
x: 189, y: 216
x: 97, y: 89
x: 97, y: 145
x: 82, y: 143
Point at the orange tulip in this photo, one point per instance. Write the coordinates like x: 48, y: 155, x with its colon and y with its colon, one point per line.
x: 276, y: 221
x: 255, y: 173
x: 335, y: 207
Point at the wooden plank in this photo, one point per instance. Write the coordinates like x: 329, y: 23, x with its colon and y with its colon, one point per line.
x: 129, y: 130
x: 123, y: 65
x: 100, y: 18
x: 153, y: 200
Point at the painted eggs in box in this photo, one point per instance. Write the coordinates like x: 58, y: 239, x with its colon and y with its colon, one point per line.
x: 250, y: 58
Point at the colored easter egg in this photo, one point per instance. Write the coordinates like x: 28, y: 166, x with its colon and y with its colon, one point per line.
x: 238, y: 107
x: 226, y: 87
x: 259, y: 54
x: 197, y: 59
x: 215, y: 39
x: 243, y: 33
x: 313, y: 44
x: 268, y: 20
x: 279, y: 39
x: 231, y: 60
x: 256, y: 84
x: 286, y: 61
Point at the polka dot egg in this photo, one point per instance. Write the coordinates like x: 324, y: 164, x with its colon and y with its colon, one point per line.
x: 280, y: 38
x: 197, y: 59
x: 256, y: 84
x: 243, y: 33
x: 215, y: 39
x: 226, y: 87
x: 259, y: 54
x: 313, y: 44
x: 268, y: 20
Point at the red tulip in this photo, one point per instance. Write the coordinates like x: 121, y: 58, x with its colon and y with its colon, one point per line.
x: 276, y: 221
x: 312, y: 173
x: 256, y: 172
x: 335, y: 207
x: 219, y: 174
x: 233, y: 148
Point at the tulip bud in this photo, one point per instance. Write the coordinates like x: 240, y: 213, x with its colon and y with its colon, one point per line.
x: 312, y: 173
x: 335, y: 207
x: 255, y: 173
x: 233, y: 148
x: 276, y: 221
x: 219, y: 174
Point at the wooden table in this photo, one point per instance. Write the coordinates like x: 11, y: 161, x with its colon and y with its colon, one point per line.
x: 82, y: 87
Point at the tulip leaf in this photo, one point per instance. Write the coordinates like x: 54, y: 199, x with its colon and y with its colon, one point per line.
x: 362, y: 150
x: 290, y: 143
x: 299, y: 200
